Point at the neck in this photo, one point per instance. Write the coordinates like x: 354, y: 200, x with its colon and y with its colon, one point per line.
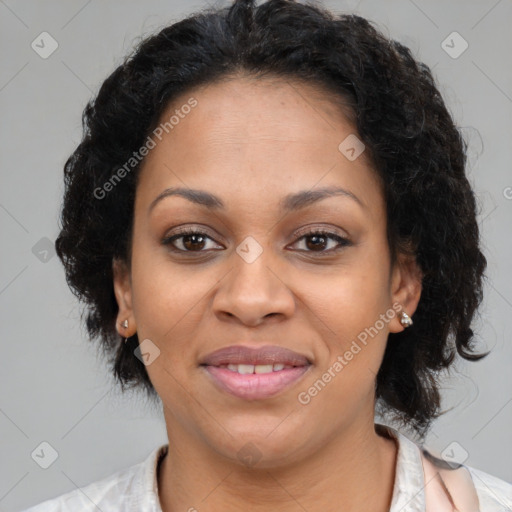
x: 353, y: 471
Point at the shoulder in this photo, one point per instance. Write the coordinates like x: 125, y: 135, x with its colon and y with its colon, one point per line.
x: 424, y: 475
x: 105, y: 494
x: 131, y: 489
x: 470, y: 488
x: 494, y: 494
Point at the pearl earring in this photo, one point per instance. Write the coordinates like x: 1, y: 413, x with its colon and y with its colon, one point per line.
x: 124, y: 325
x: 405, y: 319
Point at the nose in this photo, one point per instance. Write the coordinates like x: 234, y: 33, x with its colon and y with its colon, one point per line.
x: 253, y: 292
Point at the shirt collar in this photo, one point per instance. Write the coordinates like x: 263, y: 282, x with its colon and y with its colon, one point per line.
x: 408, y: 489
x: 145, y: 493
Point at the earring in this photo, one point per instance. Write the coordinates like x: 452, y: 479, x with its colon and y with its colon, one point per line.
x: 405, y: 319
x: 124, y: 325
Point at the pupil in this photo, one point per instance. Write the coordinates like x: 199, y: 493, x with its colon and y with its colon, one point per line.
x: 316, y: 238
x: 194, y: 239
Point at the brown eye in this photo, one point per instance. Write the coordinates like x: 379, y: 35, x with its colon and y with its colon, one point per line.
x: 317, y: 241
x: 187, y: 241
x: 193, y: 242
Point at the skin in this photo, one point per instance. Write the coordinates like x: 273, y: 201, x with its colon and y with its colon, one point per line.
x: 251, y: 143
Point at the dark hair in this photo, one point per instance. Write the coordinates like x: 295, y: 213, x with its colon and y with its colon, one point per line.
x: 414, y: 146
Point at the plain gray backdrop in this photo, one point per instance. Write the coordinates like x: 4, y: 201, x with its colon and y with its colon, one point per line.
x: 53, y: 387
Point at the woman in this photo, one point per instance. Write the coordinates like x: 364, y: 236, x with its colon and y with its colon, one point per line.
x: 269, y: 220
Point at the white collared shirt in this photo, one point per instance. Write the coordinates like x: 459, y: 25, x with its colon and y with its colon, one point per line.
x: 135, y: 489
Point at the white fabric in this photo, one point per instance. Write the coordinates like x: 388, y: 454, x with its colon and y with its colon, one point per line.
x: 135, y: 489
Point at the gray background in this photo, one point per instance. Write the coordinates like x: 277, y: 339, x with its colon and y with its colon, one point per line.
x: 54, y: 388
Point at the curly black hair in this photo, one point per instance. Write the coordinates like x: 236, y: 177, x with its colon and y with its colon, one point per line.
x: 414, y: 146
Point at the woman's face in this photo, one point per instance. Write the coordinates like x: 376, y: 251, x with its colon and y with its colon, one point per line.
x: 254, y: 275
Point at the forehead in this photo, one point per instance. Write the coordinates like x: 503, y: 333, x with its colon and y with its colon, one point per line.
x: 256, y: 139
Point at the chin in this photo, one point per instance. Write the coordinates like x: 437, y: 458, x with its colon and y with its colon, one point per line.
x: 258, y: 445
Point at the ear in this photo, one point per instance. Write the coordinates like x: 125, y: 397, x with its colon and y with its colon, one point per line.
x: 406, y: 279
x: 123, y: 293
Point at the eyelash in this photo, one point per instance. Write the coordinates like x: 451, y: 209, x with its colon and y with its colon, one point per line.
x: 342, y: 241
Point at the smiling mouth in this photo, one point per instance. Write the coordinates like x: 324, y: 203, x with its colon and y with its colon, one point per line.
x: 254, y: 373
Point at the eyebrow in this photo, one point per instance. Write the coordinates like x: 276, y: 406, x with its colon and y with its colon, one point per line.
x: 291, y: 202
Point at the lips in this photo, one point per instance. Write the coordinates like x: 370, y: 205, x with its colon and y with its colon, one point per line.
x: 255, y: 373
x: 267, y: 355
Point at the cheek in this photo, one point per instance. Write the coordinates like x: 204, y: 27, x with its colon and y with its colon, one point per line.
x: 348, y: 299
x: 353, y: 344
x: 169, y: 312
x: 346, y: 308
x: 167, y: 301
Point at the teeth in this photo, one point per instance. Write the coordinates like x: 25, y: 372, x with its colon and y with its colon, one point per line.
x: 263, y: 368
x: 245, y: 369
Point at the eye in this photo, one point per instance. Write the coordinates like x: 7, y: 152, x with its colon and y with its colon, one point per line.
x: 317, y: 240
x: 187, y: 240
